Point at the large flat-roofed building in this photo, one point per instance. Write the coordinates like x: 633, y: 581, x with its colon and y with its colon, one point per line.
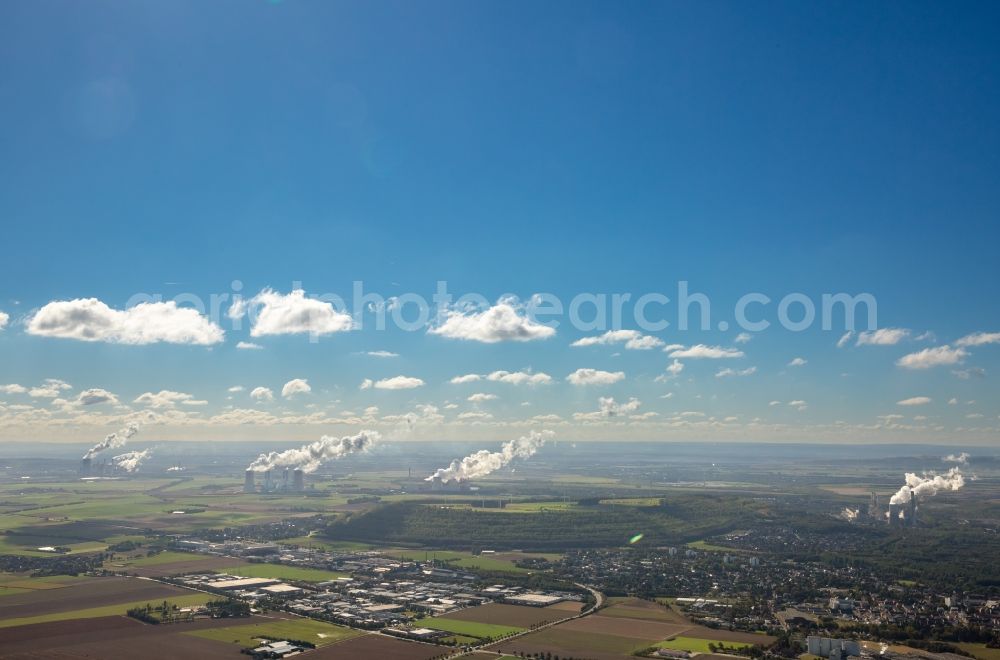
x: 534, y: 600
x: 282, y: 590
x: 240, y: 584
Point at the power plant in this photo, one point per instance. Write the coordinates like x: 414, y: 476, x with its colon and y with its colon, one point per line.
x: 291, y: 481
x: 903, y: 515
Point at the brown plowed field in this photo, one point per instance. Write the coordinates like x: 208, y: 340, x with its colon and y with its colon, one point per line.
x: 519, y: 616
x: 95, y: 592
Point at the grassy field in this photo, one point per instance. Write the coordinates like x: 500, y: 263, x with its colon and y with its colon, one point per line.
x: 693, y: 644
x: 980, y: 651
x: 501, y: 562
x: 167, y: 557
x: 468, y: 628
x: 106, y: 610
x: 279, y: 572
x: 307, y: 630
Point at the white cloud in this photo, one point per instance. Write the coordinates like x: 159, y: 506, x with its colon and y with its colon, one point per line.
x: 13, y: 388
x: 394, y: 383
x: 89, y: 319
x: 743, y: 338
x: 480, y: 397
x: 595, y: 377
x: 723, y: 373
x: 774, y: 403
x: 295, y: 386
x: 235, y: 388
x: 933, y: 357
x: 668, y: 395
x: 979, y: 339
x: 475, y: 415
x: 520, y: 377
x: 915, y: 401
x: 709, y: 352
x: 953, y: 401
x: 291, y: 314
x: 798, y: 362
x: 4, y: 319
x: 467, y: 378
x: 262, y: 394
x: 798, y: 404
x: 168, y: 399
x: 633, y: 339
x: 882, y: 337
x: 249, y: 346
x: 675, y: 368
x: 966, y: 374
x: 611, y: 408
x: 502, y: 322
x: 845, y: 339
x: 50, y: 389
x: 94, y: 396
x: 382, y: 354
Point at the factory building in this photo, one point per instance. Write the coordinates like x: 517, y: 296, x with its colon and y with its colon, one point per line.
x: 835, y: 649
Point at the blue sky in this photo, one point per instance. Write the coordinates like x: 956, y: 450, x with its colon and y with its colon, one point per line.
x: 506, y: 148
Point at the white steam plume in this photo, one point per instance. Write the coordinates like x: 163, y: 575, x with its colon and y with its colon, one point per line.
x: 850, y: 515
x: 484, y: 462
x: 927, y: 485
x: 113, y: 441
x: 129, y: 461
x: 311, y: 456
x: 962, y: 458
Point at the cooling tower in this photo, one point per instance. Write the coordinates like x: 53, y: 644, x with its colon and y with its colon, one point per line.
x: 298, y: 480
x: 248, y: 482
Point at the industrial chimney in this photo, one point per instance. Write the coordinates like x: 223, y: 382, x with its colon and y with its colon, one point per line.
x: 248, y: 482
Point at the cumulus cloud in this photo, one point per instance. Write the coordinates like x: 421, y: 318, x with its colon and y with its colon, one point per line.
x: 262, y: 394
x: 382, y: 354
x: 611, y: 408
x: 704, y: 351
x: 502, y: 322
x: 798, y: 362
x: 882, y: 337
x: 95, y: 396
x: 13, y: 388
x: 480, y: 397
x: 274, y: 313
x: 979, y: 339
x: 933, y: 357
x: 467, y: 378
x: 4, y: 319
x: 50, y: 389
x: 235, y: 388
x: 595, y: 377
x: 169, y: 399
x: 519, y: 377
x: 915, y: 401
x: 394, y: 383
x: 633, y: 340
x: 798, y: 404
x: 295, y: 386
x: 89, y: 319
x: 249, y: 346
x: 723, y: 373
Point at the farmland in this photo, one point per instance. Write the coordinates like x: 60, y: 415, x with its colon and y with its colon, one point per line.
x: 469, y: 628
x: 297, y: 628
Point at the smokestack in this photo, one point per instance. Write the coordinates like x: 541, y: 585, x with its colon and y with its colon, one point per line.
x: 893, y: 514
x: 299, y: 480
x: 911, y: 515
x: 248, y: 482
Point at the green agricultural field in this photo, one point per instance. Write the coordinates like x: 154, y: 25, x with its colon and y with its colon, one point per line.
x: 326, y: 544
x: 693, y: 644
x: 279, y: 572
x: 468, y: 628
x: 306, y: 630
x: 160, y: 558
x: 106, y: 610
